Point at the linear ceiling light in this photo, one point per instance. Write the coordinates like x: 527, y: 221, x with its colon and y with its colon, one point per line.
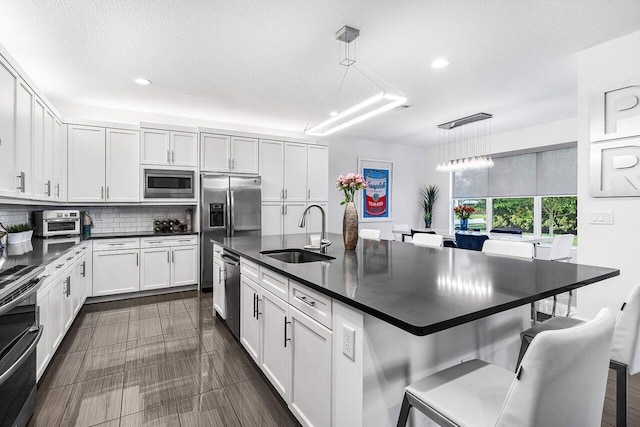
x: 466, y: 150
x: 384, y: 100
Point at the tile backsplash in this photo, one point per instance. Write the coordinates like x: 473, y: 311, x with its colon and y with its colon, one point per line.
x: 106, y: 219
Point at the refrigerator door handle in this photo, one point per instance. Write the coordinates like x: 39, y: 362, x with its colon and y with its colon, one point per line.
x: 232, y: 209
x: 228, y: 213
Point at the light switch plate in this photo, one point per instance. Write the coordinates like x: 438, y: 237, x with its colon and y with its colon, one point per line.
x: 602, y: 217
x: 349, y: 342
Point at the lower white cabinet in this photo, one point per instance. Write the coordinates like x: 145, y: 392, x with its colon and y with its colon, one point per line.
x: 276, y: 342
x: 292, y: 349
x: 250, y: 317
x: 165, y: 262
x: 116, y: 271
x: 43, y: 350
x: 311, y: 366
x: 219, y: 297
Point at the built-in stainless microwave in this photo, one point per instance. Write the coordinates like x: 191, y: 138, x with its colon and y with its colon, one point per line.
x: 169, y: 184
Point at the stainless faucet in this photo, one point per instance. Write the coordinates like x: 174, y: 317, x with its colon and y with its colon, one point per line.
x: 324, y: 243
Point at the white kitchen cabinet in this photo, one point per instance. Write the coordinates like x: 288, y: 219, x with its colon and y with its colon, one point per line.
x: 168, y: 148
x: 68, y: 308
x: 215, y: 153
x: 122, y: 166
x: 24, y: 138
x: 57, y: 298
x: 155, y: 268
x: 275, y: 360
x: 295, y: 172
x: 37, y: 165
x: 272, y: 218
x: 88, y: 274
x: 224, y: 153
x: 44, y: 350
x: 311, y: 367
x: 291, y: 218
x: 59, y: 192
x: 184, y: 265
x: 272, y: 170
x: 250, y: 317
x: 318, y: 173
x: 48, y: 156
x: 8, y: 142
x: 87, y: 164
x: 219, y: 297
x: 314, y: 218
x: 116, y: 271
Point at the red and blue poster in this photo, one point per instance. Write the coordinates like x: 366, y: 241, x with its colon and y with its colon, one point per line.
x: 376, y: 195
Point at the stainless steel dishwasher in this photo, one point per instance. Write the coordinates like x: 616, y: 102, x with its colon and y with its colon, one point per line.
x: 232, y: 291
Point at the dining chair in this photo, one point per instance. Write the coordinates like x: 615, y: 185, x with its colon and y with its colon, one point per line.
x: 625, y: 351
x: 398, y: 229
x: 470, y: 241
x: 430, y: 240
x: 478, y: 394
x: 369, y: 233
x: 507, y: 248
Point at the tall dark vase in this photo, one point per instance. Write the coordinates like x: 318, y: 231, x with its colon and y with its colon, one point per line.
x: 350, y: 226
x: 464, y: 224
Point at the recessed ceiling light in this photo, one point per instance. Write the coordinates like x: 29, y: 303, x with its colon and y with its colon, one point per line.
x: 439, y: 63
x: 142, y: 81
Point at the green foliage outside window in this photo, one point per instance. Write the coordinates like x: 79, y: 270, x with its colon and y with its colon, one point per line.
x: 513, y: 213
x: 560, y: 215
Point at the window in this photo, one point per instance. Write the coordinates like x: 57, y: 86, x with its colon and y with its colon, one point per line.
x: 512, y: 212
x: 560, y: 216
x: 478, y: 219
x: 530, y: 191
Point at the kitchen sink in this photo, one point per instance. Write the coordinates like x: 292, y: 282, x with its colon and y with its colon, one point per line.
x: 296, y: 256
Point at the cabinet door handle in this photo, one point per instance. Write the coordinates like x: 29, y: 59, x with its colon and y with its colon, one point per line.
x: 84, y: 268
x: 286, y: 210
x: 308, y: 193
x: 21, y: 185
x: 255, y: 309
x: 285, y: 193
x: 173, y: 259
x: 304, y: 300
x: 168, y: 256
x: 137, y: 259
x: 168, y: 156
x: 102, y: 192
x: 258, y: 306
x: 68, y: 286
x: 48, y: 186
x: 107, y: 191
x: 282, y: 194
x: 285, y: 331
x: 173, y: 156
x: 220, y: 282
x: 58, y: 190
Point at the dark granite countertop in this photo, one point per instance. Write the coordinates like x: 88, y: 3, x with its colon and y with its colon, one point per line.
x: 418, y: 289
x: 40, y: 251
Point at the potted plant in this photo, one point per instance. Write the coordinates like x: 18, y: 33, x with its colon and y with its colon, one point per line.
x: 463, y: 213
x: 15, y: 234
x: 428, y: 196
x: 349, y: 184
x: 28, y: 230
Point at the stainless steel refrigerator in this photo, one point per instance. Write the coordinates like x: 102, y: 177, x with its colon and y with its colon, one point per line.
x: 229, y: 206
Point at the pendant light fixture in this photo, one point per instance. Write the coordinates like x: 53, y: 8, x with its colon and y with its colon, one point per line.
x: 466, y: 144
x: 385, y: 98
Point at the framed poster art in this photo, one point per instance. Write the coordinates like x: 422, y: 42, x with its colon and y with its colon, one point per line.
x: 376, y: 201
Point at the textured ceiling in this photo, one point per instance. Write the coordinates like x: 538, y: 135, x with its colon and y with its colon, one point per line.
x: 268, y: 63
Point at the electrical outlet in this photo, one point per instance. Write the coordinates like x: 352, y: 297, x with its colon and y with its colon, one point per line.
x: 97, y: 216
x: 349, y: 342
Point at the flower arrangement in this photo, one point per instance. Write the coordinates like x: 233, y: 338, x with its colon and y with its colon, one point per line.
x: 463, y: 212
x: 349, y: 184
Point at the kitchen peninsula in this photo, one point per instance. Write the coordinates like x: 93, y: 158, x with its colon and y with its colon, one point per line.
x: 385, y: 315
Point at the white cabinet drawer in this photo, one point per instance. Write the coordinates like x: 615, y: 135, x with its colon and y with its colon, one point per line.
x: 275, y: 283
x: 217, y: 252
x: 160, y: 241
x: 249, y: 269
x: 115, y: 244
x: 311, y: 303
x: 184, y: 240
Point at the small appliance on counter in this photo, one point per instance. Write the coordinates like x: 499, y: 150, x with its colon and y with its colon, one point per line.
x: 57, y: 222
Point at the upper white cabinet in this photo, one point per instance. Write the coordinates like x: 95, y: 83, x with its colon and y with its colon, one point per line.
x: 49, y: 191
x: 122, y: 166
x: 8, y: 143
x: 168, y: 148
x: 24, y: 138
x: 318, y: 173
x: 272, y: 170
x: 103, y: 164
x: 37, y: 166
x: 295, y: 172
x: 59, y: 192
x: 224, y: 153
x: 86, y: 163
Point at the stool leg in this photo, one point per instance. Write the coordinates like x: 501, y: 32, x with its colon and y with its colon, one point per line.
x: 404, y: 412
x: 622, y: 375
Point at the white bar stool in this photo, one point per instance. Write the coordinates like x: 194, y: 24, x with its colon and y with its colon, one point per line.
x: 429, y: 240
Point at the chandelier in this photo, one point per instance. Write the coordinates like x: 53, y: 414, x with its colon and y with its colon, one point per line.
x: 465, y: 144
x: 385, y: 98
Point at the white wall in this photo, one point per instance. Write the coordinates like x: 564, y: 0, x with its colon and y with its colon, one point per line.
x: 408, y: 177
x: 605, y: 245
x: 551, y: 133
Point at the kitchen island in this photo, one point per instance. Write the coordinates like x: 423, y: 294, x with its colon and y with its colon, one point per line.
x: 409, y: 310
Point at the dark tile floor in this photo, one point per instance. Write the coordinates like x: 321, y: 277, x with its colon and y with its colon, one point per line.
x: 155, y: 361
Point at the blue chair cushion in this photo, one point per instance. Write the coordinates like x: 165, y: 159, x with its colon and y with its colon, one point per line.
x: 470, y: 241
